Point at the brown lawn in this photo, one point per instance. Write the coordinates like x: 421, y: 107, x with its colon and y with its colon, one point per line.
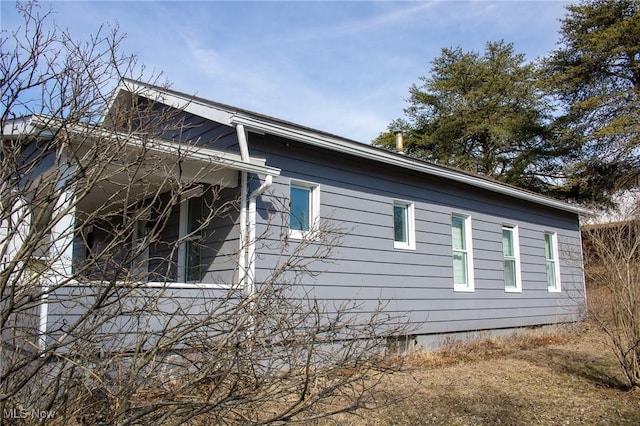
x: 565, y: 377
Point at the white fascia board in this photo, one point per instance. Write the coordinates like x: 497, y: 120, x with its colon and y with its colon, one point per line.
x: 192, y: 152
x: 30, y: 125
x: 370, y: 153
x: 183, y: 103
x: 17, y: 127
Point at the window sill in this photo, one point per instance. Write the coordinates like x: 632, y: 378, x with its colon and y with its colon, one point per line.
x: 403, y: 246
x: 463, y: 289
x: 311, y: 235
x: 188, y: 285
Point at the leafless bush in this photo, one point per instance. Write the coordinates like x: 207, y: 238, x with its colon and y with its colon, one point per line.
x: 612, y: 258
x: 125, y: 346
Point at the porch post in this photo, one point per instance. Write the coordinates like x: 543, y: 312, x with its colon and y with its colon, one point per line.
x: 242, y: 260
x: 62, y: 232
x: 60, y: 268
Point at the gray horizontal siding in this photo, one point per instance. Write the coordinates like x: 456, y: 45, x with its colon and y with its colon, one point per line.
x: 366, y: 268
x: 20, y: 329
x: 200, y: 131
x: 365, y: 271
x: 142, y: 316
x: 222, y: 239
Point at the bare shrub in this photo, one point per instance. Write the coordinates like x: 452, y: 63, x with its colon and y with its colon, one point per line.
x: 612, y: 258
x: 96, y: 339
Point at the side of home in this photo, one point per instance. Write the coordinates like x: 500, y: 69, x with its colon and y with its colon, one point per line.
x: 451, y: 257
x: 444, y: 250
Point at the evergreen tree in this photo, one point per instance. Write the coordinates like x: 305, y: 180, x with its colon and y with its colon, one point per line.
x: 595, y: 74
x: 482, y: 113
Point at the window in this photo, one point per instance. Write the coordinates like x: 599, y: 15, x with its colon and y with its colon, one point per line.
x: 304, y: 208
x: 511, y: 255
x: 462, y: 253
x: 403, y: 226
x: 552, y: 262
x: 189, y: 256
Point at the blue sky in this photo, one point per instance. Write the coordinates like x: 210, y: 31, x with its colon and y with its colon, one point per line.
x: 340, y: 67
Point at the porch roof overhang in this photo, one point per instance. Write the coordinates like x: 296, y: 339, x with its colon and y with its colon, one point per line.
x: 204, y: 156
x: 184, y: 161
x: 43, y: 127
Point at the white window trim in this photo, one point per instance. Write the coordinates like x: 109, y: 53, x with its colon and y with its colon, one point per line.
x: 556, y: 261
x: 468, y: 231
x: 516, y: 255
x: 410, y: 225
x: 314, y: 213
x: 182, y: 231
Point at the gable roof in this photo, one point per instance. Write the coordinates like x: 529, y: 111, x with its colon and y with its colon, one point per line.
x: 260, y: 123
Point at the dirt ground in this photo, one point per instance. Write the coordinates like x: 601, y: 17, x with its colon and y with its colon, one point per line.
x: 567, y: 377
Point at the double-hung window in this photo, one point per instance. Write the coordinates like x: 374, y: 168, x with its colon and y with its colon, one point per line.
x: 190, y: 253
x: 552, y: 261
x: 304, y: 208
x: 511, y: 259
x: 462, y: 253
x: 403, y: 226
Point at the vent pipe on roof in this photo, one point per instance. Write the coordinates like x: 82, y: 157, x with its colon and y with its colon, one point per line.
x: 399, y: 142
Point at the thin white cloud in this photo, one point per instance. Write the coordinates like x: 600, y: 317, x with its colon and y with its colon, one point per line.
x: 385, y: 18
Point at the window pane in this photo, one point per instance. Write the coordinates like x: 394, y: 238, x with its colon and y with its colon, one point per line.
x: 507, y: 242
x: 300, y: 199
x: 510, y: 273
x: 400, y: 221
x: 193, y: 261
x: 457, y: 233
x: 551, y: 274
x: 551, y: 260
x: 460, y: 268
x: 548, y: 246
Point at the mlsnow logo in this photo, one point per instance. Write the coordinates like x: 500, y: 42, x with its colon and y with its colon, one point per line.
x: 25, y: 413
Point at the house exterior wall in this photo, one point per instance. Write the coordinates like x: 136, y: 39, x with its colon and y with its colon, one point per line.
x: 200, y: 131
x: 358, y: 196
x: 137, y: 317
x: 365, y: 272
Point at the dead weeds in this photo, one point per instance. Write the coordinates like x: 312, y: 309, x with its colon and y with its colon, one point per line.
x: 565, y: 377
x: 456, y: 352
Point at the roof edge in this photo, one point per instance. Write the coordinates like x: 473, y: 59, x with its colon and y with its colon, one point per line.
x: 226, y: 114
x: 375, y: 154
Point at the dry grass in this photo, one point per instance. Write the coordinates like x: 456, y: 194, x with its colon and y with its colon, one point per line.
x: 565, y: 377
x: 459, y: 352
